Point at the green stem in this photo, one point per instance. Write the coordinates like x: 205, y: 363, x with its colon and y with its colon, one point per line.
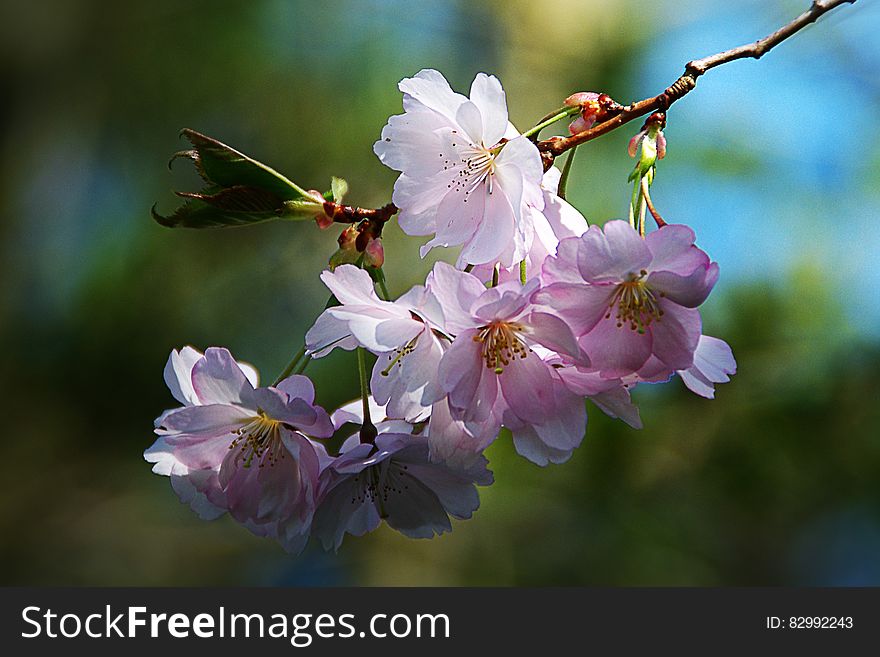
x: 634, y: 203
x: 368, y: 429
x: 566, y: 170
x: 302, y: 366
x: 286, y: 372
x: 561, y: 114
x: 384, y: 289
x: 522, y: 272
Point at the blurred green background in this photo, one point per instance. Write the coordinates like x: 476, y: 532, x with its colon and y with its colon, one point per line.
x: 773, y: 163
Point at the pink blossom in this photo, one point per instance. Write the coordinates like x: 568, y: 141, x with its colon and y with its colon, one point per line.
x: 492, y: 372
x: 466, y: 175
x: 394, y: 480
x: 632, y: 302
x: 239, y: 448
x: 404, y: 334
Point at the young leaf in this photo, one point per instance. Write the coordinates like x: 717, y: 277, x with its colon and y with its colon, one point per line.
x: 224, y: 166
x: 219, y: 208
x: 338, y: 188
x: 240, y: 190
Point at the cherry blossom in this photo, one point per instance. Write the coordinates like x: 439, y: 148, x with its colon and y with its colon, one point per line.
x: 405, y: 334
x: 239, y: 448
x: 466, y: 175
x: 492, y: 372
x: 631, y: 300
x: 394, y: 480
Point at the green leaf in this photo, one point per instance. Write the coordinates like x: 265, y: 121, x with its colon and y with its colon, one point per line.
x: 217, y: 208
x: 240, y: 190
x: 222, y: 165
x: 338, y: 188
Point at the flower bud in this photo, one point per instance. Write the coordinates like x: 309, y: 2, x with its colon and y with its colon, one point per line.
x: 652, y: 142
x: 375, y: 253
x: 590, y: 106
x: 357, y: 244
x: 321, y: 217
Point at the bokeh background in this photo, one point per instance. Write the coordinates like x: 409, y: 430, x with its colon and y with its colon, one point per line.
x: 774, y: 163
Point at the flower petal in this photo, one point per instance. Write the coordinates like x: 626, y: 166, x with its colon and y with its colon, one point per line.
x: 616, y: 351
x: 676, y: 335
x: 611, y: 253
x: 456, y: 291
x: 672, y: 248
x: 327, y: 333
x: 351, y: 286
x: 298, y: 387
x: 528, y: 388
x: 489, y: 97
x: 688, y: 291
x: 178, y: 374
x: 529, y: 445
x: 217, y: 378
x: 580, y: 306
x: 430, y: 89
x: 552, y: 332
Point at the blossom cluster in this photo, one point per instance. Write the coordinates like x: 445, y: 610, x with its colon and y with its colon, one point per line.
x: 540, y: 312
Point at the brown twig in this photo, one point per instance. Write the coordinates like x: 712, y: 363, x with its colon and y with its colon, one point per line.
x: 348, y: 214
x: 555, y: 146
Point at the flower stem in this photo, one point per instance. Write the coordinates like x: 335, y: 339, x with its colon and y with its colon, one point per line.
x: 303, y: 365
x: 368, y: 429
x: 642, y: 217
x: 522, y: 272
x: 634, y: 202
x: 384, y: 290
x: 566, y: 170
x: 647, y: 196
x: 286, y: 372
x: 553, y: 118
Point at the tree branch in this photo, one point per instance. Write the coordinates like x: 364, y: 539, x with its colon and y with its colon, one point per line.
x: 555, y: 146
x: 347, y: 214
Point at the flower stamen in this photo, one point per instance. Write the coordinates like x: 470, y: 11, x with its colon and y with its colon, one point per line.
x: 258, y: 438
x: 501, y: 344
x: 401, y: 352
x: 637, y: 305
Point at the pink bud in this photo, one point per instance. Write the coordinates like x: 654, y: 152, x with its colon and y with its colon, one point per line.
x: 581, y: 99
x: 588, y: 102
x: 375, y: 252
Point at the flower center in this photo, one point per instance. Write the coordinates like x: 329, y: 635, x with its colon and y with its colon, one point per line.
x: 375, y: 484
x: 259, y: 437
x: 477, y: 165
x: 501, y: 344
x: 637, y: 305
